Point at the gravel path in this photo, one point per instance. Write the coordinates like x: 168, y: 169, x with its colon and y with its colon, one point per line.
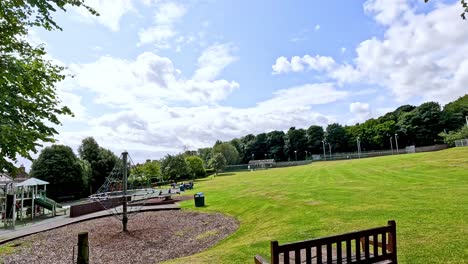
x: 153, y: 237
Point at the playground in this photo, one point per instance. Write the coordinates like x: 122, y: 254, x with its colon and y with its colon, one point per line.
x: 152, y: 237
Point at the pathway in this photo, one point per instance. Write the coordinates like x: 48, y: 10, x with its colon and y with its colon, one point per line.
x: 7, y: 235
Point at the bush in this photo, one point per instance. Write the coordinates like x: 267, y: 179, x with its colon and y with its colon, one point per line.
x: 174, y: 168
x: 196, y: 166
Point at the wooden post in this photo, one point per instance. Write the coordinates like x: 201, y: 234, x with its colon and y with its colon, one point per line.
x: 124, y: 200
x: 83, y: 248
x: 22, y: 201
x: 274, y: 252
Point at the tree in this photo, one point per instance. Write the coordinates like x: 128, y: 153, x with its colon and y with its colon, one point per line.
x: 315, y: 135
x: 196, y: 166
x: 205, y: 155
x: 452, y: 136
x: 337, y: 137
x: 275, y: 142
x: 217, y: 162
x: 296, y: 143
x: 228, y: 151
x: 175, y: 168
x: 59, y: 166
x: 102, y: 161
x: 455, y: 112
x: 29, y: 107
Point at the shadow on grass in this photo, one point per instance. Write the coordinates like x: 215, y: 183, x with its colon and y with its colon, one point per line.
x: 225, y: 174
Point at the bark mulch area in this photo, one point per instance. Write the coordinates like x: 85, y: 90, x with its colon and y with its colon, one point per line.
x: 153, y: 237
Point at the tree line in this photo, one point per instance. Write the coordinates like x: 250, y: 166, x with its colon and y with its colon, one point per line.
x: 423, y: 125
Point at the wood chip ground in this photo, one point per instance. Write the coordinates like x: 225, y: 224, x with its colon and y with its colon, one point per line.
x: 153, y: 237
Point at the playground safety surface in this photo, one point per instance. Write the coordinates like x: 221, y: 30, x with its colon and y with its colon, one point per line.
x: 152, y: 237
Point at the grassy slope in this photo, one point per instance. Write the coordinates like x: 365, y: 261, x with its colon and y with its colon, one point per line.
x: 427, y: 195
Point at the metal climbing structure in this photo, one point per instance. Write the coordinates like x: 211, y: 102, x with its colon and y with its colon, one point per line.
x: 123, y: 193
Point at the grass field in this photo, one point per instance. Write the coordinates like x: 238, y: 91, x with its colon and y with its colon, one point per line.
x: 427, y: 195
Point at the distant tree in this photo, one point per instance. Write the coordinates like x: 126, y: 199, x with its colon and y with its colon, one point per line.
x: 260, y: 146
x: 455, y: 112
x: 217, y: 162
x: 228, y: 151
x: 152, y: 170
x: 29, y: 105
x: 237, y: 143
x: 452, y: 136
x: 175, y: 168
x: 275, y: 142
x: 196, y: 166
x: 315, y: 135
x: 87, y: 176
x: 59, y: 166
x: 205, y: 155
x: 248, y: 145
x: 102, y: 161
x: 423, y: 124
x: 296, y: 143
x: 337, y: 137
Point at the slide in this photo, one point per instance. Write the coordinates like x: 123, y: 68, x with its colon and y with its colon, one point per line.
x: 47, y: 203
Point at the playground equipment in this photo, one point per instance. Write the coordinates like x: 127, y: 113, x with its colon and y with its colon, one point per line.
x: 19, y: 201
x: 123, y: 193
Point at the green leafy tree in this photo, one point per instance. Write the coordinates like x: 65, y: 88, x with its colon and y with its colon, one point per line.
x: 228, y: 151
x: 196, y: 166
x: 175, y: 168
x: 452, y: 136
x: 102, y: 161
x: 275, y: 142
x: 455, y: 112
x: 296, y: 143
x: 205, y: 155
x: 59, y: 166
x: 315, y: 135
x: 217, y: 162
x: 29, y: 107
x: 337, y: 137
x: 152, y: 170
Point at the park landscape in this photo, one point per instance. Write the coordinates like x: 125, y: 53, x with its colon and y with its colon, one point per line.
x: 215, y: 146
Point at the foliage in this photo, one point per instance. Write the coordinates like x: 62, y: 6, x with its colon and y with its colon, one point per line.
x: 29, y: 107
x: 295, y: 143
x: 228, y: 151
x: 452, y: 136
x: 328, y: 198
x: 217, y: 162
x: 59, y: 166
x: 175, y: 168
x: 337, y: 136
x: 315, y: 135
x: 102, y: 161
x: 205, y: 155
x: 149, y: 171
x: 275, y: 145
x: 196, y: 166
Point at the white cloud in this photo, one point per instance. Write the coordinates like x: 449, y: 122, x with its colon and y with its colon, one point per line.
x: 110, y: 12
x: 317, y: 27
x: 162, y: 30
x: 155, y: 80
x: 299, y: 64
x: 360, y: 111
x: 419, y: 56
x: 213, y: 60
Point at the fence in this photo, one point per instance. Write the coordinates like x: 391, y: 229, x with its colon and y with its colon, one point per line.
x: 461, y: 143
x: 350, y: 155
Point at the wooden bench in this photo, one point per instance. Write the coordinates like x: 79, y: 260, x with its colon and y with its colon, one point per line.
x: 375, y: 245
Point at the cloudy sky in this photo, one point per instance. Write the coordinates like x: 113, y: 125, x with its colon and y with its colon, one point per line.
x: 159, y: 76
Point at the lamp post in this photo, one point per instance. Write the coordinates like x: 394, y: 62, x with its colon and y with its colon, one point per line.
x: 253, y: 156
x: 466, y: 118
x: 396, y: 142
x: 391, y: 144
x: 306, y: 155
x: 324, y: 155
x: 329, y: 148
x: 265, y: 156
x: 295, y: 154
x: 358, y: 143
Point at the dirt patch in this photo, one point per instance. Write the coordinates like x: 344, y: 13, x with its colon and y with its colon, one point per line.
x: 153, y: 237
x: 313, y: 202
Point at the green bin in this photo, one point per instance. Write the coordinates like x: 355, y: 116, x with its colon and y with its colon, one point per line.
x: 199, y: 199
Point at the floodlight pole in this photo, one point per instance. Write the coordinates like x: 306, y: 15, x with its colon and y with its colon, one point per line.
x: 358, y: 143
x: 124, y: 200
x: 396, y: 143
x: 466, y: 118
x: 329, y: 148
x: 391, y: 144
x: 295, y: 154
x: 324, y: 154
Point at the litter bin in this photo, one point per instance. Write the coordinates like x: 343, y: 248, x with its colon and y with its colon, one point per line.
x: 182, y: 188
x: 199, y: 199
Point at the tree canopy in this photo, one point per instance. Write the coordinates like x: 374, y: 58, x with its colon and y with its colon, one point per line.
x: 29, y: 107
x: 59, y: 166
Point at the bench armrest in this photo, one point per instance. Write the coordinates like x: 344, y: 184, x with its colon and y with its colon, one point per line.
x: 260, y: 260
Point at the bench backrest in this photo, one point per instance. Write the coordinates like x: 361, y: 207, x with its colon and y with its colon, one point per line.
x: 365, y: 246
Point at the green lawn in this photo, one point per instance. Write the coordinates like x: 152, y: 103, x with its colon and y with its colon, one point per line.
x: 427, y: 195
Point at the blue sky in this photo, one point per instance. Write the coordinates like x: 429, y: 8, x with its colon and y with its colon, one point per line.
x: 159, y: 76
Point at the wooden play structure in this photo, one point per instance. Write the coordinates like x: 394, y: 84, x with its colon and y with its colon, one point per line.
x: 24, y: 200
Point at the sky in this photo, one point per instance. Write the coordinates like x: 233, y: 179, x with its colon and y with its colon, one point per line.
x: 162, y: 76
